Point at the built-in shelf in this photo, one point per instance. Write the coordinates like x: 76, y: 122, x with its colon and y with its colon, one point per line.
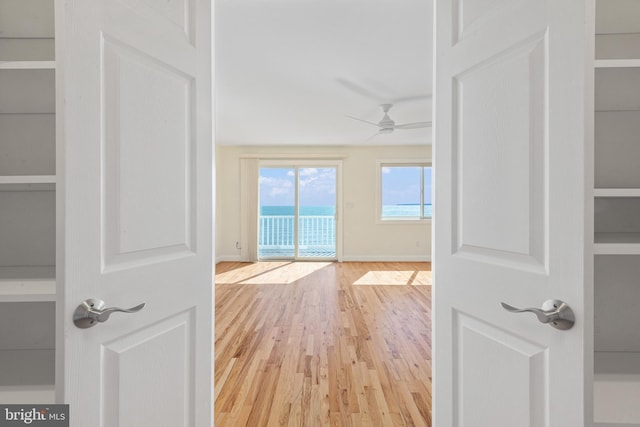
x: 27, y: 65
x: 27, y: 201
x: 27, y: 187
x: 28, y: 179
x: 616, y: 381
x: 22, y: 284
x: 616, y: 192
x: 27, y: 290
x: 617, y: 63
x: 616, y: 243
x: 17, y: 395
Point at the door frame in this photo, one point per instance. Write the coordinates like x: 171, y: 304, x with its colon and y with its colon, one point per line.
x: 307, y: 163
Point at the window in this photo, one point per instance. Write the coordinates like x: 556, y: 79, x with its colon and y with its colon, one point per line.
x: 405, y: 191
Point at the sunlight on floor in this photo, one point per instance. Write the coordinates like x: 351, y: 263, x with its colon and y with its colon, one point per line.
x: 395, y: 278
x: 270, y: 273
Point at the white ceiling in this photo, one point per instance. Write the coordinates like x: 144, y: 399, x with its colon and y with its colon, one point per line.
x: 289, y: 71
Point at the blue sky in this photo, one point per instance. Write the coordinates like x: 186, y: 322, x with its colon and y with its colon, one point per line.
x: 317, y: 186
x: 401, y: 185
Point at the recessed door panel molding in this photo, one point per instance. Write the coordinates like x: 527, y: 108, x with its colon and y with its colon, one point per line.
x: 490, y: 359
x: 472, y: 15
x: 499, y: 123
x: 148, y: 165
x: 132, y: 359
x: 167, y: 14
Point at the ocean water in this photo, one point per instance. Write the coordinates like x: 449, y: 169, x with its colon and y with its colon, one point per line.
x: 405, y: 211
x: 304, y: 210
x: 388, y: 210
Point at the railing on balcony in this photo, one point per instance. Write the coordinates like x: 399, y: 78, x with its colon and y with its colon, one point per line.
x: 316, y: 236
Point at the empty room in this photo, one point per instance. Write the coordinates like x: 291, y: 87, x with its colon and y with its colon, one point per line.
x: 323, y: 213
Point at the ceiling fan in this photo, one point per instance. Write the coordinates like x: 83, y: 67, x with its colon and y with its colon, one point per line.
x: 377, y: 96
x: 386, y: 125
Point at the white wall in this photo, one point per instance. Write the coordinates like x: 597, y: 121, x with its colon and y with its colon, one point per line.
x: 364, y: 239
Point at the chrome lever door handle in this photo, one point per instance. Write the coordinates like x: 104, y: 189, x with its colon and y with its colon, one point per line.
x: 554, y: 312
x: 543, y: 316
x: 92, y: 311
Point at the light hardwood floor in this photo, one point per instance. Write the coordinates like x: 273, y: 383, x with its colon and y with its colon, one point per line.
x: 318, y: 343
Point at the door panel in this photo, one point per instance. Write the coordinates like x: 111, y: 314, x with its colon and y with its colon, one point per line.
x: 511, y: 211
x: 148, y: 125
x: 134, y: 211
x: 276, y: 229
x: 168, y: 379
x: 316, y: 212
x: 516, y: 368
x: 499, y: 122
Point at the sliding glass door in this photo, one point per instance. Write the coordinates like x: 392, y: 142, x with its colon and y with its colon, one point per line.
x: 298, y: 207
x: 316, y: 212
x: 276, y: 226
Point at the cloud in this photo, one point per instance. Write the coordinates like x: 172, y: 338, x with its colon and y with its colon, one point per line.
x: 386, y: 169
x: 318, y: 179
x: 317, y: 187
x: 278, y: 191
x: 274, y: 187
x: 275, y: 182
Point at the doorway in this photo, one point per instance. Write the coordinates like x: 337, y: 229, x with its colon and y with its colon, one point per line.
x: 298, y: 211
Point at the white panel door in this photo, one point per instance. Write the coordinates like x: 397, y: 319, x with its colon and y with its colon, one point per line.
x: 135, y: 210
x: 511, y: 211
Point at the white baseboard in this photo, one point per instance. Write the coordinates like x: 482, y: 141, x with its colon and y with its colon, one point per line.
x: 386, y: 258
x: 228, y: 258
x: 349, y: 258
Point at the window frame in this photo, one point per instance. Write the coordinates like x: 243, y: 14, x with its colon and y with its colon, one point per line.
x: 382, y: 163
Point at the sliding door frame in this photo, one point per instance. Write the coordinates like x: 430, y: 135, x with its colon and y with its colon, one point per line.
x: 296, y: 164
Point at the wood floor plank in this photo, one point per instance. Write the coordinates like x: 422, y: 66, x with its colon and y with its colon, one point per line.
x: 323, y: 344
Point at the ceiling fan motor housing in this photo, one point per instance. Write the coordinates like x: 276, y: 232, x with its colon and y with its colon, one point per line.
x: 386, y: 125
x: 386, y: 122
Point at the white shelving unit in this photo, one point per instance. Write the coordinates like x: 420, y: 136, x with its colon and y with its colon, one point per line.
x: 27, y: 201
x: 617, y: 214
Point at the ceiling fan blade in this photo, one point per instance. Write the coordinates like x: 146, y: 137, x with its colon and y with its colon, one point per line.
x: 372, y: 136
x: 417, y: 125
x: 356, y: 88
x: 367, y: 93
x: 412, y: 98
x: 361, y: 120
